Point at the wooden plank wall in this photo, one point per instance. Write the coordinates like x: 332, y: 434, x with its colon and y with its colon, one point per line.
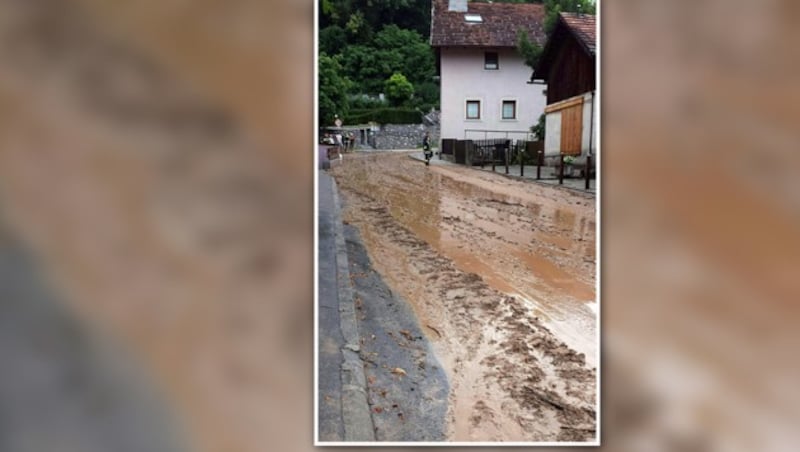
x: 572, y: 128
x: 573, y: 69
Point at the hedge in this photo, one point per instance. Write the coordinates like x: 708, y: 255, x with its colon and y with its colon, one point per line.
x: 384, y: 115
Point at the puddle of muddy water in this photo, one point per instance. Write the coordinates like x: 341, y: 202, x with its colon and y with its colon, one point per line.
x: 518, y: 242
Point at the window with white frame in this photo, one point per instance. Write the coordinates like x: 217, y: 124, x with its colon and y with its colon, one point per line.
x: 473, y: 109
x: 509, y: 109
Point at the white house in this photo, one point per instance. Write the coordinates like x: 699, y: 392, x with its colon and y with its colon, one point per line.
x: 484, y: 81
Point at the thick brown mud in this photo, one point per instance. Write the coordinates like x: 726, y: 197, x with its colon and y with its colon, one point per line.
x: 501, y: 274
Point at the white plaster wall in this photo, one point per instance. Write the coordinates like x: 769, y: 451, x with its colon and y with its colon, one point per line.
x: 552, y: 134
x: 463, y: 77
x: 589, y: 130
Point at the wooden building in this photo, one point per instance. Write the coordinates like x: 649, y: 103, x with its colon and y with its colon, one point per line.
x: 567, y: 66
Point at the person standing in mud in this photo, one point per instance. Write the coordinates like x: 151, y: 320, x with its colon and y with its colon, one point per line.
x: 426, y: 148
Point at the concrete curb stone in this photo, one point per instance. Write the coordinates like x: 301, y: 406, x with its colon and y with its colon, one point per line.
x: 358, y: 425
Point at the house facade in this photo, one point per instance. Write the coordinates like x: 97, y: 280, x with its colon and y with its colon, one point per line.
x: 484, y: 81
x: 567, y: 66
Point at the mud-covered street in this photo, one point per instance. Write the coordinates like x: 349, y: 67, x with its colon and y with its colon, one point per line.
x: 501, y: 276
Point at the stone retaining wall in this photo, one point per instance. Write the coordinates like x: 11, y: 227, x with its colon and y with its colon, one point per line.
x: 404, y: 136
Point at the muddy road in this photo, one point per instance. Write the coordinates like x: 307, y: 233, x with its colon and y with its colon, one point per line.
x: 501, y: 276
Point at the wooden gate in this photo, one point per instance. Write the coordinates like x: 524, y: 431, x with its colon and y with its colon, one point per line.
x: 571, y: 124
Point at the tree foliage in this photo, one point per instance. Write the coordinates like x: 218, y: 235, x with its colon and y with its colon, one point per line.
x: 373, y: 39
x: 333, y: 88
x: 540, y: 127
x: 409, y: 14
x: 398, y: 89
x: 393, y: 49
x: 332, y: 40
x: 531, y: 51
x: 554, y: 7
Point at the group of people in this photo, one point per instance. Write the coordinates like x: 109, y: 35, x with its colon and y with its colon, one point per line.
x: 346, y: 142
x: 341, y: 141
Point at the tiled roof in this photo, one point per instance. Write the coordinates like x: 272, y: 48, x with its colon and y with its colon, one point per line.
x: 584, y: 27
x: 500, y: 22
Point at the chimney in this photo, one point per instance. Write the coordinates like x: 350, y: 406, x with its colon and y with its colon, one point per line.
x: 457, y: 5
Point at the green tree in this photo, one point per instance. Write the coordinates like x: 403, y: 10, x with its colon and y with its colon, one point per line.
x: 373, y: 39
x: 392, y: 50
x: 405, y: 51
x: 408, y: 14
x: 333, y: 88
x: 332, y: 39
x: 398, y: 89
x: 539, y: 128
x: 363, y: 66
x: 359, y: 28
x: 553, y: 7
x: 529, y: 50
x: 427, y: 93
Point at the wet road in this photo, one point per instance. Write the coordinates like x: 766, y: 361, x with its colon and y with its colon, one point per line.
x: 501, y: 275
x: 406, y: 386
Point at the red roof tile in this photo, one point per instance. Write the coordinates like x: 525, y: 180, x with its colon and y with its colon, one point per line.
x: 498, y: 28
x: 584, y: 27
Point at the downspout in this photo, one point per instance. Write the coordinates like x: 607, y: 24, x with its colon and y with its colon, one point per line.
x: 591, y: 125
x: 591, y: 135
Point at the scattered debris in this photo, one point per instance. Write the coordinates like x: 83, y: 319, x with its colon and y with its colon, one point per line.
x: 434, y: 330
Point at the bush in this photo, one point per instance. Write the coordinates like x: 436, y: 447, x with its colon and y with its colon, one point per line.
x: 540, y: 127
x: 398, y: 89
x: 427, y: 93
x: 384, y: 116
x: 364, y: 102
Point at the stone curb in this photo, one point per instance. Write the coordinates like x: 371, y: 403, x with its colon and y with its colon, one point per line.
x: 356, y: 416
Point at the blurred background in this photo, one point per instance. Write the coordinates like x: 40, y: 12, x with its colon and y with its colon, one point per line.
x: 156, y: 225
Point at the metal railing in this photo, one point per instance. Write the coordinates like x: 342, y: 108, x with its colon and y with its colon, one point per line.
x: 475, y: 134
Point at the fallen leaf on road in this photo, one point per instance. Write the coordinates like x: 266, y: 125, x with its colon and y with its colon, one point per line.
x: 371, y: 379
x: 378, y: 409
x: 407, y: 334
x: 398, y: 371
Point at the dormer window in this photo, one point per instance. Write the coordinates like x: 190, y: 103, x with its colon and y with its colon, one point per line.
x: 491, y: 61
x: 473, y: 18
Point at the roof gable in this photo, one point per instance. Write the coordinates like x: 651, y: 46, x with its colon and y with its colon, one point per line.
x: 584, y: 27
x: 497, y: 28
x: 580, y: 27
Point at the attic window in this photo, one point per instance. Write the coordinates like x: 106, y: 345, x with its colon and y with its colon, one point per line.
x: 476, y: 18
x: 490, y: 61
